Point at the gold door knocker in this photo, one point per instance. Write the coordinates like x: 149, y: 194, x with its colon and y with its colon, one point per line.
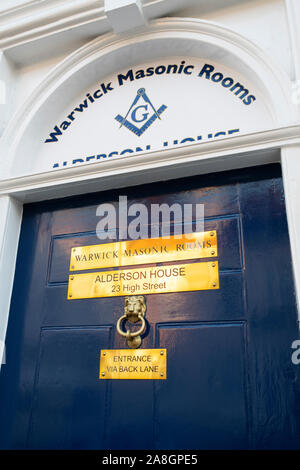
x: 135, y: 308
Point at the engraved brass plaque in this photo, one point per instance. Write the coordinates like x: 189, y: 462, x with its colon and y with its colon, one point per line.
x: 150, y: 250
x: 133, y: 364
x: 148, y: 280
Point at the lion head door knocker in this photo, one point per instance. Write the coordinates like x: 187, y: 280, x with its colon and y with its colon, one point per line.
x: 134, y: 311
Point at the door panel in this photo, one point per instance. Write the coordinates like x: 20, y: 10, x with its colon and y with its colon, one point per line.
x: 65, y: 389
x: 213, y: 412
x: 230, y: 380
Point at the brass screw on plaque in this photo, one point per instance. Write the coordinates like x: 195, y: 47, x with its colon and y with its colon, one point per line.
x: 213, y: 252
x: 161, y: 353
x: 214, y: 284
x: 72, y: 278
x: 212, y: 234
x: 161, y: 374
x: 104, y: 354
x: 70, y: 295
x: 213, y: 265
x: 103, y: 374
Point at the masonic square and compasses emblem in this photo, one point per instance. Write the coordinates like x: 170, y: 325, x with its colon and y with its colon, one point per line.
x: 138, y: 114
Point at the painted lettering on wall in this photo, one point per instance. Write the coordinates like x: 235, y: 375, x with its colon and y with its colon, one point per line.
x: 98, y: 157
x: 206, y: 72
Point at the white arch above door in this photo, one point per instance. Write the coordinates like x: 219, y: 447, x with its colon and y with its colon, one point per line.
x: 208, y: 82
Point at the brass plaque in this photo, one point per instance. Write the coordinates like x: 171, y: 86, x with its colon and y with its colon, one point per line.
x: 148, y: 280
x: 133, y: 364
x: 150, y: 250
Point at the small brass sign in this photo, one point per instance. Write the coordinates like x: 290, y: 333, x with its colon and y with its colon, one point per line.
x: 148, y: 280
x: 133, y: 364
x: 150, y: 250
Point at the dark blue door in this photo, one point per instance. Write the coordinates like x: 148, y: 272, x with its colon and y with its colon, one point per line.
x: 231, y: 382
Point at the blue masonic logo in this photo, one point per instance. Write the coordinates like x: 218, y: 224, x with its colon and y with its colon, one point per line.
x: 139, y: 113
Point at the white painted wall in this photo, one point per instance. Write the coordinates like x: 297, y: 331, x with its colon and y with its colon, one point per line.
x: 293, y: 15
x: 30, y: 76
x: 10, y: 4
x: 10, y: 216
x: 264, y: 22
x: 8, y: 99
x: 247, y: 17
